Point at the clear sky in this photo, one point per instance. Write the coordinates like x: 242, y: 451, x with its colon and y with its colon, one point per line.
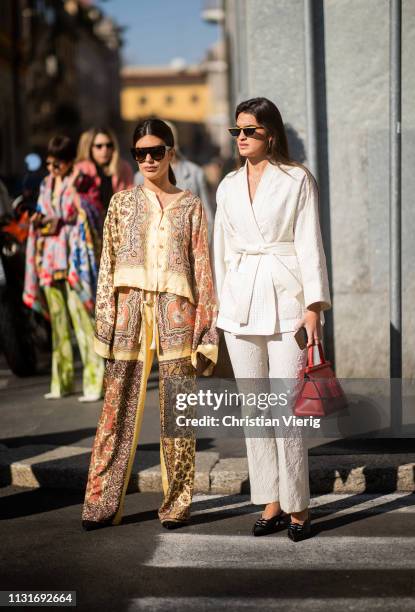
x: 160, y: 30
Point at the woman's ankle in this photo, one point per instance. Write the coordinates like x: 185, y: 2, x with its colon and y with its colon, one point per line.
x: 300, y: 517
x: 271, y: 509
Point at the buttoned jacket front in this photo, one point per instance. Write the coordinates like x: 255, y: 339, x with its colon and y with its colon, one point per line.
x: 269, y: 260
x: 156, y: 249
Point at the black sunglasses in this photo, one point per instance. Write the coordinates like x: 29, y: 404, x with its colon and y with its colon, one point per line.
x: 108, y: 145
x: 156, y: 153
x: 248, y: 131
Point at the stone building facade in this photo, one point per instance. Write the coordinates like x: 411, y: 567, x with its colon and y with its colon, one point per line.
x: 267, y: 54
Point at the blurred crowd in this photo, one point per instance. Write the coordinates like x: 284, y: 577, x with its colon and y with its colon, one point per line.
x: 50, y: 240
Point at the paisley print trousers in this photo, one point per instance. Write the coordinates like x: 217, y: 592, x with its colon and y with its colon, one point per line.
x: 147, y: 323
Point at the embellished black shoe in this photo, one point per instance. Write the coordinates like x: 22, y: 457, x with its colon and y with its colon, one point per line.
x: 265, y: 526
x: 91, y: 525
x: 297, y: 531
x: 173, y: 524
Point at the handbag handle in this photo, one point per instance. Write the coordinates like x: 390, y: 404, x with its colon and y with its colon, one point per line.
x: 310, y: 354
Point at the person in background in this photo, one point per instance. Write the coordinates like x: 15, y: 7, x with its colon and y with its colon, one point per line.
x: 188, y: 176
x: 61, y: 273
x: 5, y: 200
x: 99, y: 157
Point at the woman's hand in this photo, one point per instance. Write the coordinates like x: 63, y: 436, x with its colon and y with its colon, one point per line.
x: 36, y: 219
x: 202, y: 364
x: 46, y: 220
x: 311, y: 321
x: 50, y: 226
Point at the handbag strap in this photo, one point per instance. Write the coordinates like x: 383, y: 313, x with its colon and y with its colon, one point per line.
x: 310, y: 354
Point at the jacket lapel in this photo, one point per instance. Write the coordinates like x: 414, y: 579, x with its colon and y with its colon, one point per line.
x: 251, y: 228
x: 251, y: 210
x: 263, y: 189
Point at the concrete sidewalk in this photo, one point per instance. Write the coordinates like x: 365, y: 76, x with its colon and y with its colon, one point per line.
x: 66, y: 467
x: 361, y: 557
x: 47, y: 444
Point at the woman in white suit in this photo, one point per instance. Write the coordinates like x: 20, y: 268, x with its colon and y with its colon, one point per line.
x: 271, y: 278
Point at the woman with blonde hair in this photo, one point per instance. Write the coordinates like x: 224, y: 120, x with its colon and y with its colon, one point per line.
x: 99, y: 157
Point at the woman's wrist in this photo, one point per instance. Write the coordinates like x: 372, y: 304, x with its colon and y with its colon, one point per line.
x: 315, y: 307
x: 312, y: 323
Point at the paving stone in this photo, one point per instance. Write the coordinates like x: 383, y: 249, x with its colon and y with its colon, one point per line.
x: 229, y: 476
x: 67, y: 467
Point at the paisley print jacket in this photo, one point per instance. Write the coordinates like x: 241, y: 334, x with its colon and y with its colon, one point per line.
x: 164, y: 250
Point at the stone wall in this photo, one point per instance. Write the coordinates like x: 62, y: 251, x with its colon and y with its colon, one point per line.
x: 266, y: 40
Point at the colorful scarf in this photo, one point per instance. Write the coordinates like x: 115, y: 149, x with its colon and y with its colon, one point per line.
x: 71, y: 254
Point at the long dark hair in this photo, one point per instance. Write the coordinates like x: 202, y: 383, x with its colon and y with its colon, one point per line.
x: 268, y: 115
x: 156, y: 127
x: 62, y: 147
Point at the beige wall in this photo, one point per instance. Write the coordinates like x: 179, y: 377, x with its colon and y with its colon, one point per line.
x: 181, y: 108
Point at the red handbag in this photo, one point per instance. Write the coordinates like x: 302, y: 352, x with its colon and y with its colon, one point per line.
x: 320, y: 392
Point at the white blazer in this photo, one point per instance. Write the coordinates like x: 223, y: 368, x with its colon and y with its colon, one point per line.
x: 268, y: 256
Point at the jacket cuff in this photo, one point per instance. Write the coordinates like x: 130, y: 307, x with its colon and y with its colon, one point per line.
x: 102, y: 349
x: 313, y: 293
x: 210, y: 351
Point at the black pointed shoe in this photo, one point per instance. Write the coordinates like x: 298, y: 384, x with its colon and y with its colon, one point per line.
x: 168, y: 524
x: 265, y: 526
x: 91, y: 525
x: 297, y: 531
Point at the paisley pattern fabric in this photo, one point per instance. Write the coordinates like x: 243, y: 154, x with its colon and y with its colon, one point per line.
x: 113, y: 440
x: 119, y: 426
x: 176, y: 317
x: 155, y: 294
x: 154, y: 249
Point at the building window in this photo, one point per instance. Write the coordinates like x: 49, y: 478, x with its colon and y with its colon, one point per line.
x: 142, y: 100
x: 169, y: 99
x: 194, y: 98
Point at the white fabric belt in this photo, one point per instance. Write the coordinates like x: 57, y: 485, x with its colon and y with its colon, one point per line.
x: 281, y: 274
x: 274, y: 248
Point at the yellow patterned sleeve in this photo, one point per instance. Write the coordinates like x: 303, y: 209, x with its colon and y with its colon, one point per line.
x: 105, y: 300
x: 205, y: 335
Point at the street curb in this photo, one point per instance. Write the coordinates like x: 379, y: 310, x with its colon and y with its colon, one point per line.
x: 67, y: 467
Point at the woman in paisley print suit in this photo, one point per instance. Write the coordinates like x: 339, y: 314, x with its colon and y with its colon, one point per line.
x: 155, y: 296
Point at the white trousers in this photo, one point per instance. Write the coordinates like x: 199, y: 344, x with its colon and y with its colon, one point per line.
x: 278, y: 467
